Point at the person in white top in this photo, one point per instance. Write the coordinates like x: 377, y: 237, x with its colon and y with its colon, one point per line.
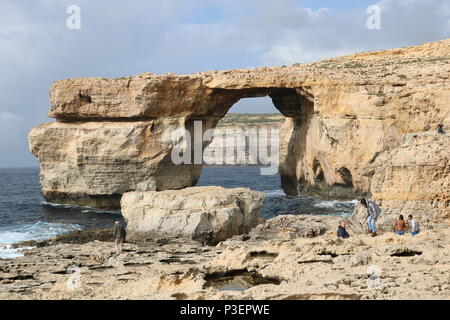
x: 414, y: 225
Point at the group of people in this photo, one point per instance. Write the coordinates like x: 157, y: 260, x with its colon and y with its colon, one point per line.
x: 399, y: 226
x: 373, y: 212
x: 371, y: 217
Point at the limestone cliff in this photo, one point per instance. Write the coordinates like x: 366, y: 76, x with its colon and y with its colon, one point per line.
x: 93, y: 163
x: 111, y: 135
x: 413, y: 179
x: 234, y: 141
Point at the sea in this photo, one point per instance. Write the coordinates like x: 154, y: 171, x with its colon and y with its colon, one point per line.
x: 25, y: 215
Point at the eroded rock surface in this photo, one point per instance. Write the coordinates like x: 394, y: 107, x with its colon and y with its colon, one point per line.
x: 300, y: 226
x: 323, y: 267
x: 413, y: 179
x: 191, y: 212
x: 94, y: 163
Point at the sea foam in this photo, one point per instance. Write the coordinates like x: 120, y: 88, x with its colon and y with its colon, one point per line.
x: 36, y: 231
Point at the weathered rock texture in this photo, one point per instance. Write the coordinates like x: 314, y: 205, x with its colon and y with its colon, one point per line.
x: 94, y: 163
x: 111, y: 134
x: 191, y: 212
x: 324, y: 267
x: 412, y: 179
x: 288, y: 226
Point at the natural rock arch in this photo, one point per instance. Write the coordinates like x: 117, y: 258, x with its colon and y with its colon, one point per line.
x: 112, y: 136
x: 294, y: 104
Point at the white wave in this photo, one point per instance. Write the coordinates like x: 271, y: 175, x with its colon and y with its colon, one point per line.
x: 36, y: 231
x: 333, y: 203
x: 274, y: 193
x: 84, y: 209
x: 8, y: 252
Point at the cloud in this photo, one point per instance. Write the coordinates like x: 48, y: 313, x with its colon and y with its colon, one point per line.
x: 13, y: 148
x: 323, y: 33
x: 129, y: 37
x: 11, y: 127
x: 289, y: 54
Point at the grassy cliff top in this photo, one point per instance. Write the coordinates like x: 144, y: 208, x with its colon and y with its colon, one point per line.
x: 252, y: 119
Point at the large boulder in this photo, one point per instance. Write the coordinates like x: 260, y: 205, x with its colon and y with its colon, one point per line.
x: 191, y: 212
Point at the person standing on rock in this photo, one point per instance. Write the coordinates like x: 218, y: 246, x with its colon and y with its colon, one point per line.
x: 373, y: 212
x: 209, y: 235
x: 415, y: 229
x: 119, y: 236
x: 400, y: 226
x: 440, y: 129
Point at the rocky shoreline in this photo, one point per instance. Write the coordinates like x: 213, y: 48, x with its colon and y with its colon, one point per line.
x: 287, y: 257
x: 363, y: 124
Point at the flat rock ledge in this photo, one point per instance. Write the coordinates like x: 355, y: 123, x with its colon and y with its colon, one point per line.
x: 290, y: 226
x: 324, y: 267
x: 191, y: 212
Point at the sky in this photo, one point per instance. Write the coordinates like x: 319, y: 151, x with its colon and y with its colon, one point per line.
x: 128, y: 37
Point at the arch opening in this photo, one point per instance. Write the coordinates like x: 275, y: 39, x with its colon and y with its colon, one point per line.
x: 289, y: 102
x: 290, y: 112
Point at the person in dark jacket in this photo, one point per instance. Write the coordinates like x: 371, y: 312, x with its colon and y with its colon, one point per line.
x: 342, y: 230
x: 209, y: 236
x: 440, y: 129
x: 119, y: 236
